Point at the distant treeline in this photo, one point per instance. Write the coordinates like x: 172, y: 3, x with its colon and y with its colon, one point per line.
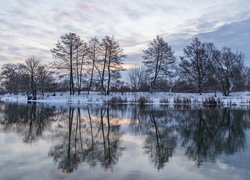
x: 96, y: 66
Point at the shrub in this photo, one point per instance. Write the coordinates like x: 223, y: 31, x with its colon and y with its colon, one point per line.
x: 164, y: 101
x: 186, y: 101
x: 143, y: 100
x: 116, y: 100
x: 183, y: 100
x: 211, y: 101
x: 177, y: 100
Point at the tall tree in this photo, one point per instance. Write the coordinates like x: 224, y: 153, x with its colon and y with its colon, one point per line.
x: 45, y: 80
x: 31, y: 68
x: 228, y: 68
x: 10, y: 77
x: 64, y: 53
x: 193, y: 64
x: 94, y: 55
x: 103, y: 62
x: 112, y: 62
x: 80, y: 60
x: 158, y: 58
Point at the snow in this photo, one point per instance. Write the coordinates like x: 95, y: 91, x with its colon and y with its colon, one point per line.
x: 235, y: 99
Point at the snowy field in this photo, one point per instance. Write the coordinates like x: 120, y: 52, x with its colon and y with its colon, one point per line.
x: 235, y: 99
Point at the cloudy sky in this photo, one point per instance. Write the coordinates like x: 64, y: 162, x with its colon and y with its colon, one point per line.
x: 32, y: 27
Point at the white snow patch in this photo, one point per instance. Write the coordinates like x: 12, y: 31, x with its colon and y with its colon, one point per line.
x: 235, y: 99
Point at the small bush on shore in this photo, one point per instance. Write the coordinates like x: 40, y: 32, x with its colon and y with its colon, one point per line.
x: 143, y: 100
x: 116, y: 100
x: 211, y: 101
x: 164, y: 101
x: 183, y: 100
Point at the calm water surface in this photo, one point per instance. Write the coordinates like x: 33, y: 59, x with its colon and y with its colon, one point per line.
x: 38, y: 142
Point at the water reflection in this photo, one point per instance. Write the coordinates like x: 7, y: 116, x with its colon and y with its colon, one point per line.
x: 208, y: 133
x: 159, y: 128
x: 28, y: 121
x: 90, y: 138
x: 94, y: 135
x: 161, y: 140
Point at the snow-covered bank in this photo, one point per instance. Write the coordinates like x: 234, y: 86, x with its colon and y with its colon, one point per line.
x: 235, y: 99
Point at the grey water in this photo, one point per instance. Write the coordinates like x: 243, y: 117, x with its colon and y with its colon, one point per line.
x: 40, y: 142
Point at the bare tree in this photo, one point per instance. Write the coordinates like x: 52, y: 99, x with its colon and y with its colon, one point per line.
x: 31, y: 68
x: 10, y: 77
x: 247, y: 78
x: 103, y: 62
x: 111, y: 63
x: 193, y: 64
x: 64, y: 53
x: 172, y: 79
x: 137, y: 78
x: 228, y: 68
x: 94, y: 55
x: 80, y: 63
x: 45, y: 80
x: 157, y: 58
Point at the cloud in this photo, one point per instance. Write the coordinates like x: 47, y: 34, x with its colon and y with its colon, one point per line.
x: 33, y: 27
x: 235, y: 35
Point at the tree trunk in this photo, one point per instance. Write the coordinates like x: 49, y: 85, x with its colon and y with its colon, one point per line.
x: 228, y: 86
x: 103, y: 71
x: 92, y: 74
x: 77, y: 71
x: 156, y: 71
x: 33, y: 88
x: 109, y: 72
x: 71, y: 89
x: 80, y: 78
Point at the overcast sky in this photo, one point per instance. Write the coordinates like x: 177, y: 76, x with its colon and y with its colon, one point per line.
x: 32, y: 27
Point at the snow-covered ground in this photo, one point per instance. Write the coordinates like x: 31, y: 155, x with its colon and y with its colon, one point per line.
x: 235, y: 99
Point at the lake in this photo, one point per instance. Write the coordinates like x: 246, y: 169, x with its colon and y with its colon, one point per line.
x: 44, y: 142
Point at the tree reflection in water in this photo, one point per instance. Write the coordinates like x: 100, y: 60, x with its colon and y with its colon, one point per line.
x: 159, y: 128
x: 92, y: 141
x: 93, y: 135
x: 29, y: 121
x: 161, y: 140
x: 209, y: 133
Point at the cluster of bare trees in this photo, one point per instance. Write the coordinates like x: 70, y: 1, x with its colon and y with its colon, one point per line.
x: 99, y: 61
x: 95, y: 65
x: 202, y: 68
x: 79, y: 65
x: 30, y: 77
x: 203, y: 65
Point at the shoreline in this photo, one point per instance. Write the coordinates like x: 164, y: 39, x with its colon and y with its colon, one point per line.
x: 136, y: 98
